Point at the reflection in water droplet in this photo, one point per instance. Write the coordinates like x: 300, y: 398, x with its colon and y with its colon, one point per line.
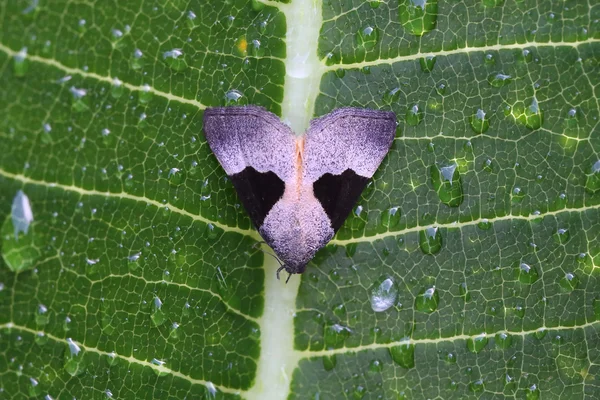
x: 569, y: 282
x: 499, y: 80
x: 418, y: 16
x: 592, y: 183
x: 427, y: 63
x: 479, y: 121
x: 175, y: 60
x: 447, y: 183
x: 526, y: 273
x: 441, y: 88
x: 414, y: 115
x: 20, y: 63
x: 427, y: 300
x: 21, y: 214
x: 403, y: 354
x: 383, y: 295
x: 430, y: 240
x: 477, y: 343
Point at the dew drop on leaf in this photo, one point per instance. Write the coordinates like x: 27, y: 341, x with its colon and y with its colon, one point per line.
x: 447, y: 183
x: 430, y: 240
x: 329, y: 362
x: 391, y: 96
x: 540, y: 333
x: 74, y: 362
x: 403, y: 354
x: 477, y: 343
x: 391, y: 217
x: 484, y: 224
x: 499, y: 79
x: 34, y: 388
x: 146, y: 94
x: 367, y: 37
x: 477, y: 386
x: 592, y: 182
x: 427, y: 300
x: 383, y: 295
x: 569, y: 282
x: 561, y: 236
x: 117, y: 88
x: 427, y: 63
x: 503, y: 340
x: 42, y: 317
x: 526, y: 273
x: 376, y: 366
x: 414, y: 115
x: 136, y: 62
x: 175, y: 59
x: 418, y: 16
x: 532, y: 393
x: 480, y: 122
x: 20, y: 63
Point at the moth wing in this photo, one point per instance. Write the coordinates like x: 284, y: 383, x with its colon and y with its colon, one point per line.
x: 256, y: 150
x: 342, y: 151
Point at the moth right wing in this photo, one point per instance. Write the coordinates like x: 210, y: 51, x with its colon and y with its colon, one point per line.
x: 342, y: 151
x: 256, y: 150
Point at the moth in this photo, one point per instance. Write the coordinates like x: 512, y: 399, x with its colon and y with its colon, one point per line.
x: 298, y: 190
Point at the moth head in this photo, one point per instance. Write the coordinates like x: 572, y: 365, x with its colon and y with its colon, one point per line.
x: 298, y: 269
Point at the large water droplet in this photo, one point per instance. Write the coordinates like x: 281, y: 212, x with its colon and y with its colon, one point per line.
x: 233, y: 97
x: 479, y: 121
x: 427, y: 63
x: 20, y: 63
x: 526, y: 273
x: 569, y: 282
x: 383, y: 295
x: 414, y: 115
x: 79, y: 99
x: 477, y: 386
x: 335, y: 336
x: 477, y: 343
x: 499, y: 80
x: 561, y: 236
x: 136, y: 62
x: 74, y: 358
x: 531, y: 115
x: 592, y: 182
x: 447, y: 183
x: 175, y: 60
x: 418, y: 16
x: 503, y: 340
x: 158, y: 316
x: 403, y: 354
x: 532, y: 393
x: 427, y: 300
x: 391, y: 217
x: 430, y: 240
x: 391, y: 96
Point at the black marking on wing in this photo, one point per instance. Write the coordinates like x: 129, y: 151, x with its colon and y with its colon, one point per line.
x: 338, y: 194
x: 258, y: 192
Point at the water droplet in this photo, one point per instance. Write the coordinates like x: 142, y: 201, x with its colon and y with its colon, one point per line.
x: 427, y: 63
x: 391, y: 96
x: 74, y: 358
x: 233, y: 97
x: 427, y: 300
x: 561, y: 236
x: 391, y: 218
x: 335, y: 336
x: 383, y: 295
x: 20, y: 250
x: 192, y: 20
x: 477, y: 343
x: 175, y: 59
x: 479, y: 121
x: 257, y: 5
x: 499, y: 80
x: 34, y: 388
x: 526, y: 273
x: 136, y: 61
x: 146, y: 94
x: 532, y: 393
x: 79, y: 103
x: 540, y: 333
x: 340, y: 72
x: 517, y: 194
x: 430, y: 240
x: 569, y: 282
x: 441, y: 88
x: 329, y: 362
x: 592, y: 183
x: 418, y: 16
x: 366, y: 70
x: 176, y: 176
x: 447, y: 183
x: 374, y: 3
x: 477, y: 386
x: 359, y: 392
x: 375, y: 367
x: 158, y: 316
x: 414, y: 115
x: 519, y: 311
x: 450, y: 358
x: 403, y: 354
x: 367, y: 38
x: 20, y: 63
x: 117, y: 89
x: 484, y: 224
x: 255, y: 48
x: 41, y: 338
x: 503, y: 340
x: 531, y: 116
x: 489, y: 58
x: 42, y: 317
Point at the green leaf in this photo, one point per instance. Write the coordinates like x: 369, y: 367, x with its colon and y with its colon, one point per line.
x: 469, y: 269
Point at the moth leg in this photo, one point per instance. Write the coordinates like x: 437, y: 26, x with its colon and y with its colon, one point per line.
x: 288, y: 278
x: 279, y: 270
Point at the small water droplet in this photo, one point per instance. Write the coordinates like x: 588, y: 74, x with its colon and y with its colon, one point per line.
x: 391, y: 217
x: 499, y: 80
x: 526, y: 273
x: 117, y: 89
x: 540, y: 333
x: 518, y: 194
x: 383, y: 295
x: 42, y: 317
x: 158, y: 316
x: 375, y: 367
x: 146, y: 94
x: 20, y: 63
x: 257, y: 5
x: 503, y: 340
x: 531, y: 115
x: 175, y: 60
x: 367, y: 37
x: 374, y: 3
x: 20, y: 250
x: 233, y: 97
x: 418, y: 16
x: 464, y: 292
x: 79, y: 103
x: 403, y: 354
x: 480, y: 122
x: 477, y: 343
x: 255, y: 48
x: 359, y: 392
x: 441, y: 88
x: 430, y: 240
x: 477, y: 386
x: 335, y: 336
x: 329, y: 362
x: 532, y: 393
x: 484, y: 224
x: 34, y: 388
x: 592, y: 183
x: 569, y: 282
x: 427, y: 63
x: 447, y: 183
x: 414, y: 115
x: 74, y: 358
x: 561, y: 236
x: 392, y: 96
x: 427, y: 300
x: 136, y: 62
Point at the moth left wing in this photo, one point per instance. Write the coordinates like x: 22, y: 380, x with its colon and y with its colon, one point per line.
x: 256, y: 150
x: 342, y: 150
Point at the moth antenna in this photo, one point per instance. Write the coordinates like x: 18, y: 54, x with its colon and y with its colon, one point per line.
x: 279, y: 270
x: 288, y: 279
x: 270, y: 254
